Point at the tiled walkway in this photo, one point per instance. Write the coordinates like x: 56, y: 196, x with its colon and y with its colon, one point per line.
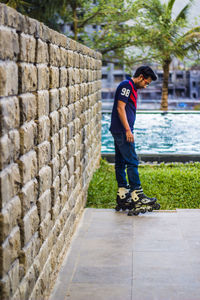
x: 155, y: 256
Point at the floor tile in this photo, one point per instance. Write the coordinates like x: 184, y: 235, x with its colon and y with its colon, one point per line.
x: 97, y: 292
x: 155, y: 256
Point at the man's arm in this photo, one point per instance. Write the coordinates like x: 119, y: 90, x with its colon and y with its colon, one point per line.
x: 122, y: 115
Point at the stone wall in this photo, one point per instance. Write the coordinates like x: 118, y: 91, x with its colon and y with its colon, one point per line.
x: 50, y: 146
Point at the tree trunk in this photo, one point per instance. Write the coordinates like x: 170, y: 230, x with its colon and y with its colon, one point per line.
x: 164, y: 100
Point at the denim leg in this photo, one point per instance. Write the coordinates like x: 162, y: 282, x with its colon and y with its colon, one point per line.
x: 132, y: 167
x: 126, y: 152
x: 120, y: 167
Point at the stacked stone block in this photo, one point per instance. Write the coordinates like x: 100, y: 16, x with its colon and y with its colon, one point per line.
x: 50, y: 146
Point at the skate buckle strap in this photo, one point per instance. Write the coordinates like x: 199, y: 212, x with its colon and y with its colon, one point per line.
x: 122, y: 192
x: 134, y: 196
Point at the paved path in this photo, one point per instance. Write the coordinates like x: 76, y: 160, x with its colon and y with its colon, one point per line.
x: 155, y: 256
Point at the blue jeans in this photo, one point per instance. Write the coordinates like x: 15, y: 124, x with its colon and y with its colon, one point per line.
x: 125, y: 157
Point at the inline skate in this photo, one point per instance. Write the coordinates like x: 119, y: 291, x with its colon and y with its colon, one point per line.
x: 142, y: 203
x: 124, y: 200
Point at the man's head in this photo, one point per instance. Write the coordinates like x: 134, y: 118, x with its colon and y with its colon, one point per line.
x: 143, y: 76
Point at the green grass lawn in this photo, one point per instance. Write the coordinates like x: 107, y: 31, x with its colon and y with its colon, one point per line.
x: 174, y: 185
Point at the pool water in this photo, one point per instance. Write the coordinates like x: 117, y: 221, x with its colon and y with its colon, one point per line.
x: 159, y: 133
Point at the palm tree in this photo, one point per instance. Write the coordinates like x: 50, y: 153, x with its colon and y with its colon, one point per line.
x: 165, y: 37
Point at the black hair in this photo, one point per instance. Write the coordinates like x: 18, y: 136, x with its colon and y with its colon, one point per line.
x: 146, y: 71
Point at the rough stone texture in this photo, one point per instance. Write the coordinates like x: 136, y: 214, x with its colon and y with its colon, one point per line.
x: 27, y: 78
x: 43, y: 77
x: 9, y: 44
x: 28, y: 107
x: 42, y: 53
x: 27, y: 48
x: 50, y: 132
x: 42, y: 103
x: 9, y: 78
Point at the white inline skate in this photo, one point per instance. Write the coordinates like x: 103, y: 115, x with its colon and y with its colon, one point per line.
x: 124, y: 200
x: 142, y: 203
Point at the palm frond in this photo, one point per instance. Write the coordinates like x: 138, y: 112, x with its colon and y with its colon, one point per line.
x: 194, y: 29
x: 189, y: 42
x: 170, y: 5
x: 190, y: 37
x: 186, y: 49
x: 183, y: 13
x: 154, y: 7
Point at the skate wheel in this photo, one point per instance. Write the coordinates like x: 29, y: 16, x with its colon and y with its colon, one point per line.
x: 117, y: 208
x: 136, y: 213
x: 130, y: 213
x: 157, y: 206
x: 150, y: 209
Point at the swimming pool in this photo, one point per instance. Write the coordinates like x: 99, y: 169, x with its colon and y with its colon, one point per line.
x: 172, y: 132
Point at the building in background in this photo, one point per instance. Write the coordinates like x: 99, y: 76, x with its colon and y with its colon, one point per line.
x: 193, y: 79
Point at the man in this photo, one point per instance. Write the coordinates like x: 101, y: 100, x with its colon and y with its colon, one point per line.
x: 122, y: 123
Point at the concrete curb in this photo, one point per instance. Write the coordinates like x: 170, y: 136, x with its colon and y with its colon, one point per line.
x: 159, y: 158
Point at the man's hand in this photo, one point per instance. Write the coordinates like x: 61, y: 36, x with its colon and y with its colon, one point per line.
x: 129, y: 136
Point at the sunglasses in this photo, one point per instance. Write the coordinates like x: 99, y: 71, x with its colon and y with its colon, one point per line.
x: 146, y: 81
